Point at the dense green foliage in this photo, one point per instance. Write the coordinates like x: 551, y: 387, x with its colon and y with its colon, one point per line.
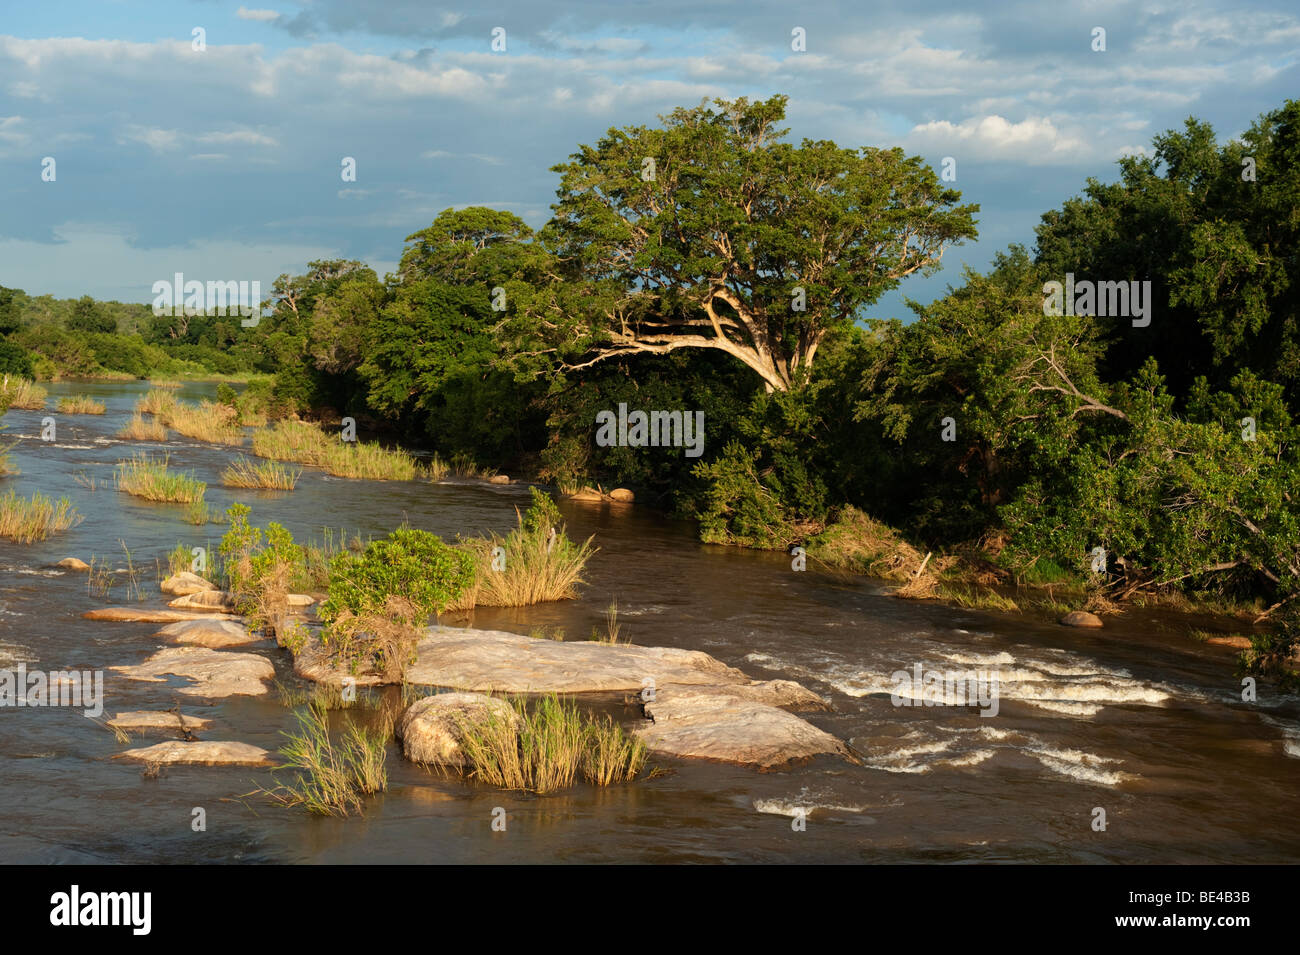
x: 985, y: 425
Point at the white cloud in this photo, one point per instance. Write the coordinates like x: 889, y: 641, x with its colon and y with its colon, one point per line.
x: 264, y: 16
x: 1033, y: 140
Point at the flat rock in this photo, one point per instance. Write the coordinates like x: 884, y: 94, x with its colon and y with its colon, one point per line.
x: 206, y: 600
x: 208, y: 632
x: 718, y: 724
x: 201, y: 752
x: 586, y: 494
x: 156, y: 720
x: 622, y: 495
x: 73, y: 563
x: 499, y: 479
x: 492, y: 660
x: 185, y: 583
x: 1236, y: 642
x: 1081, y: 618
x: 299, y: 601
x: 147, y: 615
x: 215, y: 673
x: 431, y: 729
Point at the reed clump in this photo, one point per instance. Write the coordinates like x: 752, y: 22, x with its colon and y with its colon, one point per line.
x: 27, y: 520
x: 153, y: 479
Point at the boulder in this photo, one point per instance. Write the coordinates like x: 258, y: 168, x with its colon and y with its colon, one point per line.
x: 73, y: 563
x: 431, y: 729
x: 218, y: 600
x: 720, y: 724
x: 586, y: 494
x: 200, y: 752
x: 622, y: 495
x: 499, y: 479
x: 215, y: 673
x: 492, y: 660
x: 299, y: 601
x: 1081, y: 618
x: 216, y: 633
x: 185, y: 583
x: 157, y: 720
x: 146, y: 615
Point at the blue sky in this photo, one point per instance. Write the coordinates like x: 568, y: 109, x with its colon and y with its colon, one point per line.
x: 225, y: 163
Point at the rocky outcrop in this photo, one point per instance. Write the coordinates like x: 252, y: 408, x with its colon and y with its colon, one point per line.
x: 148, y: 615
x: 727, y: 725
x: 200, y: 752
x: 158, y: 720
x: 218, y: 600
x: 214, y: 673
x: 215, y: 633
x: 1081, y: 618
x: 431, y: 729
x: 184, y: 583
x: 492, y: 660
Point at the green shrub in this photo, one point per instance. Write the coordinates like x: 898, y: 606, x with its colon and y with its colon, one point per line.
x: 380, y: 599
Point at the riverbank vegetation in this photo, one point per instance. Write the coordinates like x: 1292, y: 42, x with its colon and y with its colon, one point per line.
x: 1135, y: 445
x: 151, y: 477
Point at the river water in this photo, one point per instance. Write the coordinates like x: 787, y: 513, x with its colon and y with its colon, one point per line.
x: 1136, y: 720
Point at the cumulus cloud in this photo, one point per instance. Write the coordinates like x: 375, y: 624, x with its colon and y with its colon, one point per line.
x: 1034, y: 140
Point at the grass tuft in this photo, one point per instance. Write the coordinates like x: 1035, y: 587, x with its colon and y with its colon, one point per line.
x: 80, y: 404
x: 152, y: 479
x: 264, y: 474
x: 138, y: 429
x: 27, y: 520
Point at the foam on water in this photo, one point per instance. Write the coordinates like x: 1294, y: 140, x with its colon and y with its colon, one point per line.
x: 806, y: 802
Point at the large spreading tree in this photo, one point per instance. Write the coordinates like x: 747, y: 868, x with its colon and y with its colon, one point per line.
x: 712, y: 232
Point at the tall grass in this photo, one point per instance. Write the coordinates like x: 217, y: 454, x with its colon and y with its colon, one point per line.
x: 266, y: 474
x: 20, y: 393
x: 306, y: 443
x: 540, y: 564
x: 205, y: 421
x: 138, y: 429
x: 155, y: 401
x: 80, y: 404
x: 331, y: 778
x: 151, y: 478
x: 27, y: 520
x: 163, y: 383
x: 547, y: 748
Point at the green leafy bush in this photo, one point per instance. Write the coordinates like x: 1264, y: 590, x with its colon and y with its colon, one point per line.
x: 380, y: 599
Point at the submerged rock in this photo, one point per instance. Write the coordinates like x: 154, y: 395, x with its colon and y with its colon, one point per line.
x: 206, y: 600
x: 185, y: 583
x: 1081, y: 618
x: 208, y: 632
x: 729, y: 725
x: 201, y: 752
x: 492, y: 660
x: 215, y: 673
x: 73, y: 563
x: 431, y: 729
x: 148, y: 615
x: 157, y: 720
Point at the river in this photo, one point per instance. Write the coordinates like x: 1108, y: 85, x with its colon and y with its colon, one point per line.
x: 1135, y: 719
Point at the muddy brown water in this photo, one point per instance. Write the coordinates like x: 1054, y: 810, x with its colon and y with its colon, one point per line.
x: 1136, y: 719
